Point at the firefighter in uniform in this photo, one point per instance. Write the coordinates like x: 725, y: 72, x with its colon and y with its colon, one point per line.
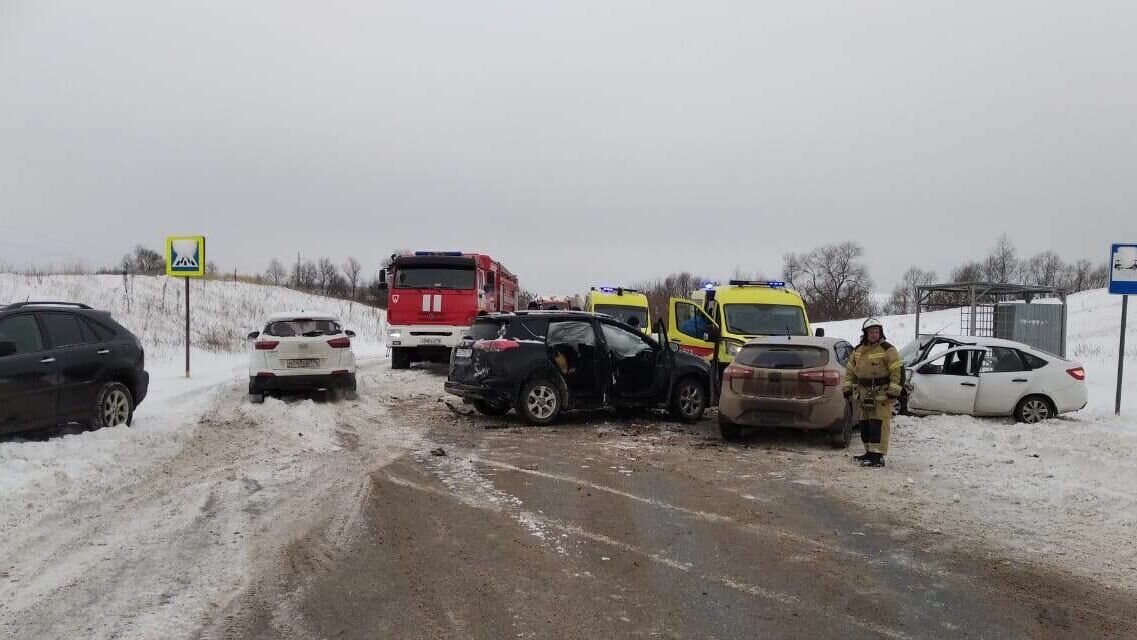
x: 872, y: 380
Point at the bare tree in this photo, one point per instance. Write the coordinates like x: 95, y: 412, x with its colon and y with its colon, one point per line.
x: 968, y: 272
x: 305, y: 275
x: 1002, y: 264
x: 275, y: 274
x: 211, y: 269
x: 832, y: 281
x: 1045, y: 269
x: 1099, y: 277
x: 352, y: 269
x: 144, y: 261
x: 326, y: 271
x: 903, y: 299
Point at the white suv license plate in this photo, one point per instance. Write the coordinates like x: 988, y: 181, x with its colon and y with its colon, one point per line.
x: 463, y: 353
x: 432, y: 340
x: 306, y: 363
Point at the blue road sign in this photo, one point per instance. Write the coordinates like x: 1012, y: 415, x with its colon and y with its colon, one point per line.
x: 1123, y: 269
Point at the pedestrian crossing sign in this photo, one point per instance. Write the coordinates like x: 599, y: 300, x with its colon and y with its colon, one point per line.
x: 185, y: 256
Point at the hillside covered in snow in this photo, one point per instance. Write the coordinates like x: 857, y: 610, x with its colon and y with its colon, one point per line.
x: 221, y: 313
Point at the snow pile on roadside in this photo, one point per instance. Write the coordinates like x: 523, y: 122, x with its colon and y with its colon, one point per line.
x: 222, y: 313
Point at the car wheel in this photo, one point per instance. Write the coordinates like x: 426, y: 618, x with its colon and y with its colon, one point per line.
x: 400, y: 358
x: 539, y: 402
x: 728, y: 429
x: 688, y: 400
x: 114, y: 406
x: 1032, y: 409
x: 840, y: 439
x: 257, y: 398
x: 491, y: 409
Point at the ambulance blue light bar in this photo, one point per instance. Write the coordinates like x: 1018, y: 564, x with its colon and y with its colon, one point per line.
x: 438, y: 253
x: 773, y: 284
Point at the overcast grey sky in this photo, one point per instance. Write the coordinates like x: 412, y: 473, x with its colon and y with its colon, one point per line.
x: 579, y: 141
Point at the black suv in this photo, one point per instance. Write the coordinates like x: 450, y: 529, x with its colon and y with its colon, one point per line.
x: 63, y: 362
x: 544, y: 362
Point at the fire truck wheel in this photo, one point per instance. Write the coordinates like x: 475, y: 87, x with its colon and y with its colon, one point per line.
x: 400, y: 358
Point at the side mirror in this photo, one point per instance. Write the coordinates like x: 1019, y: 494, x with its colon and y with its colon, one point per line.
x: 349, y: 333
x: 254, y: 335
x: 673, y: 346
x: 488, y: 288
x: 819, y: 332
x: 7, y: 348
x: 712, y: 334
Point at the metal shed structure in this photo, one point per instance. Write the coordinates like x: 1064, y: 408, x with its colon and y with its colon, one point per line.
x: 997, y: 310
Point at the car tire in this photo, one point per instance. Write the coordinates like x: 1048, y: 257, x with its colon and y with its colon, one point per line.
x: 841, y: 438
x: 114, y: 406
x: 257, y: 398
x: 729, y: 431
x: 400, y: 358
x: 539, y: 402
x: 1034, y: 409
x: 688, y: 400
x: 487, y: 408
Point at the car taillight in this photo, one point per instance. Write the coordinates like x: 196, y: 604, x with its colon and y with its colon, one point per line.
x: 339, y: 343
x: 828, y: 377
x: 1077, y: 373
x: 266, y: 345
x: 737, y: 371
x: 495, y: 346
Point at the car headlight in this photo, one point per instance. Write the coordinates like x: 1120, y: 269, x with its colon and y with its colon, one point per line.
x: 395, y: 333
x: 733, y: 347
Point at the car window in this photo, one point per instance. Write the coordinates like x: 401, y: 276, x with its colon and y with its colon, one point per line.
x: 690, y: 321
x: 62, y: 329
x: 101, y: 333
x: 306, y: 327
x: 486, y: 329
x: 843, y: 350
x: 955, y: 363
x: 22, y: 331
x: 1002, y: 360
x: 571, y: 332
x: 624, y: 343
x: 1033, y: 361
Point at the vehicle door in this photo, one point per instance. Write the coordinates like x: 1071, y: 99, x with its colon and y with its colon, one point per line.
x: 947, y: 383
x: 28, y: 376
x: 573, y: 350
x: 689, y: 327
x: 77, y: 361
x: 1003, y: 380
x: 634, y: 364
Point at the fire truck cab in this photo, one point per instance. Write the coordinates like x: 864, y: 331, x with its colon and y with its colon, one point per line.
x: 434, y: 296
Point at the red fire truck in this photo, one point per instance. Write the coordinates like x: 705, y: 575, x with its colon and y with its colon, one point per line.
x: 434, y: 296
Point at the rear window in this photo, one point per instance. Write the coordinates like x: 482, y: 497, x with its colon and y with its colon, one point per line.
x: 62, y: 329
x: 302, y: 327
x: 781, y: 356
x: 486, y: 329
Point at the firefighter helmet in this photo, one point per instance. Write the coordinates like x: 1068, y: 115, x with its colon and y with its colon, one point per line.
x: 869, y: 324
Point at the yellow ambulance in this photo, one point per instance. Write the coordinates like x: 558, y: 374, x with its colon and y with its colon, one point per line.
x: 721, y: 318
x: 626, y: 305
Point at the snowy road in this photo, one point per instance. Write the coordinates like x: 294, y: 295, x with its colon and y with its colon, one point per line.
x: 310, y: 520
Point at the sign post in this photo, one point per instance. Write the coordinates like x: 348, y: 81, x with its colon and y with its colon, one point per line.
x: 1122, y: 281
x: 185, y: 258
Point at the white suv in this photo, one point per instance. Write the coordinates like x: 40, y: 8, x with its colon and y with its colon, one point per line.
x: 301, y: 352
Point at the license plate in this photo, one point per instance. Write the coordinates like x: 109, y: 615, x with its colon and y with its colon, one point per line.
x: 463, y: 353
x: 306, y: 363
x: 432, y: 340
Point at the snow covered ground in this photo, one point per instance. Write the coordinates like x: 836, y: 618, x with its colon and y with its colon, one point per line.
x: 1063, y: 491
x: 179, y: 506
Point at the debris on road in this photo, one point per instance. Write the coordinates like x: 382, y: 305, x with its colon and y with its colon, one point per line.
x: 438, y: 452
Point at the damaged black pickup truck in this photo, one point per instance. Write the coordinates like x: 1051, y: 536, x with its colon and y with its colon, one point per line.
x: 543, y: 363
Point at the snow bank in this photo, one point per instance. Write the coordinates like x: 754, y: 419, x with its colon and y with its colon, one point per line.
x: 222, y: 313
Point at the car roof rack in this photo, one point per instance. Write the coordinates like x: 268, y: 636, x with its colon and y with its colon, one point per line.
x: 47, y: 303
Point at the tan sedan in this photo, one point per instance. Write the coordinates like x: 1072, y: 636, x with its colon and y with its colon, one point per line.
x: 793, y: 381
